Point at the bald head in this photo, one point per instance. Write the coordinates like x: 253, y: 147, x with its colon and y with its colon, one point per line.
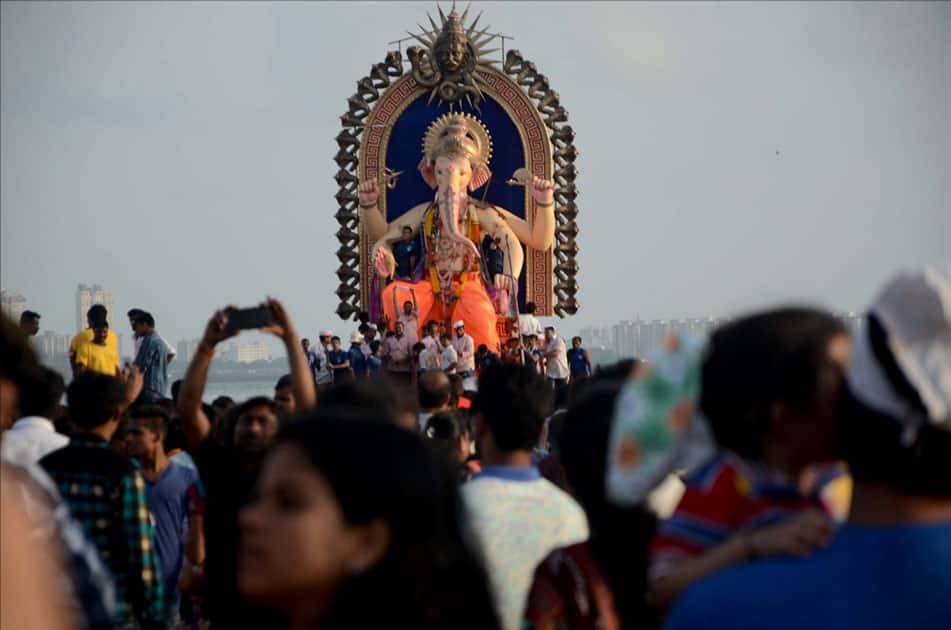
x: 434, y: 391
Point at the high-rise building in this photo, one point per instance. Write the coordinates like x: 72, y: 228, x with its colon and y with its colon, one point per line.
x: 13, y: 304
x: 186, y: 349
x: 251, y: 352
x: 53, y: 345
x: 86, y: 296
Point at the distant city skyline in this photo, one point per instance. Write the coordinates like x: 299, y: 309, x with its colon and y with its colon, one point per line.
x: 642, y: 338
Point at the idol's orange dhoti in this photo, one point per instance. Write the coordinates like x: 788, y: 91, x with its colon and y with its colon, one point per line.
x: 473, y: 307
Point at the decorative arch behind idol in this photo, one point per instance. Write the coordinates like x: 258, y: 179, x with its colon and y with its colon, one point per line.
x: 395, y: 130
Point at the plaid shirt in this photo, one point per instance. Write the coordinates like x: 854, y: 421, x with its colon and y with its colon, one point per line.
x: 106, y: 495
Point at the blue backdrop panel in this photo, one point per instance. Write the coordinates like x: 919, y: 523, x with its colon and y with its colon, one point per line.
x: 405, y: 150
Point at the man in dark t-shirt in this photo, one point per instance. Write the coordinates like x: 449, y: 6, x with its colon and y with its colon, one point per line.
x: 406, y: 254
x: 229, y: 471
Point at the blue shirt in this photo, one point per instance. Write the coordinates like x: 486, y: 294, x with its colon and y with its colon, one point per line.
x: 577, y: 362
x: 868, y: 577
x: 337, y: 357
x: 402, y: 252
x: 358, y: 362
x: 169, y: 502
x: 153, y: 359
x: 374, y: 364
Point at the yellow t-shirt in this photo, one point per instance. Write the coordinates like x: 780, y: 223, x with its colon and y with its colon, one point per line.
x: 97, y: 358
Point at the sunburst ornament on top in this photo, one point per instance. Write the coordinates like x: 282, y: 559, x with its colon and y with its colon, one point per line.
x: 451, y: 55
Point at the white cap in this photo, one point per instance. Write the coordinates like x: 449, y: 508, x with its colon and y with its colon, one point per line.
x: 371, y: 326
x: 356, y: 338
x: 459, y: 324
x: 914, y: 313
x: 326, y: 333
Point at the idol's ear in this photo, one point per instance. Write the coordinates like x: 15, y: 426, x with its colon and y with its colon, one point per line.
x: 480, y: 175
x: 428, y: 173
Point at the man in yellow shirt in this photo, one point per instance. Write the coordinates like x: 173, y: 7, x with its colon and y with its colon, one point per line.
x: 95, y: 348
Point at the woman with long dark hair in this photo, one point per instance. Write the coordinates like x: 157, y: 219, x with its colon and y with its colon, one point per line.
x: 355, y: 525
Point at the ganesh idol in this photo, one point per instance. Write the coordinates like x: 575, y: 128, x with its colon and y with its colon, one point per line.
x: 451, y: 282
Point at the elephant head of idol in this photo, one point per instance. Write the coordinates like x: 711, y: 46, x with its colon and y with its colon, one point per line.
x: 456, y: 153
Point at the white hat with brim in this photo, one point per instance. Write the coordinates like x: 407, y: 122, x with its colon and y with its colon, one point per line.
x: 909, y: 327
x: 459, y: 324
x: 326, y: 333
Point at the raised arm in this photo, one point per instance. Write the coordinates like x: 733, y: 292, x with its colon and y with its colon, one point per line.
x: 302, y: 380
x: 371, y: 217
x: 541, y: 232
x: 194, y: 421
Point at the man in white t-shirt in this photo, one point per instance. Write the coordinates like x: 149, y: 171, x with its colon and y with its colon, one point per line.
x: 430, y: 338
x: 528, y: 324
x: 429, y: 358
x: 516, y: 517
x: 465, y: 348
x: 33, y: 436
x: 324, y: 376
x: 556, y: 358
x: 448, y: 358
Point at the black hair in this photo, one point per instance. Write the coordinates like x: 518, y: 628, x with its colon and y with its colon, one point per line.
x: 363, y: 317
x: 446, y: 425
x: 94, y: 399
x: 482, y: 348
x: 155, y: 417
x: 335, y: 338
x: 97, y: 311
x: 305, y: 339
x: 428, y: 574
x: 176, y: 389
x: 774, y: 356
x: 872, y: 442
x: 28, y: 316
x: 529, y: 307
x: 284, y: 381
x: 434, y: 389
x: 134, y: 312
x: 363, y: 328
x: 556, y: 425
x: 374, y: 346
x: 231, y: 416
x: 514, y: 401
x: 576, y: 337
x: 619, y: 536
x: 551, y: 328
x: 380, y: 395
x: 619, y: 370
x: 40, y: 394
x: 223, y: 403
x: 144, y: 318
x: 419, y: 347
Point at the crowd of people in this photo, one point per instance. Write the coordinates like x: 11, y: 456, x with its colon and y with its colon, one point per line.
x: 410, y: 348
x: 412, y: 480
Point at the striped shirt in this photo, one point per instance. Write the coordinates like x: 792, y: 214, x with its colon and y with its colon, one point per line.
x: 726, y: 496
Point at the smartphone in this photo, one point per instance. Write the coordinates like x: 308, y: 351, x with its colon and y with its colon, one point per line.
x: 249, y: 318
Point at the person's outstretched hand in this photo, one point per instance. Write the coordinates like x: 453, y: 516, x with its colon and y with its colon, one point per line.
x: 799, y: 536
x: 217, y: 329
x: 134, y: 379
x: 282, y: 326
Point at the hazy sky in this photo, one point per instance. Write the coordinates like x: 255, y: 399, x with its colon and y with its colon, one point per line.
x: 181, y: 154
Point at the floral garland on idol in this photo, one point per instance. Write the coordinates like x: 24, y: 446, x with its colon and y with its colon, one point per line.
x: 431, y: 226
